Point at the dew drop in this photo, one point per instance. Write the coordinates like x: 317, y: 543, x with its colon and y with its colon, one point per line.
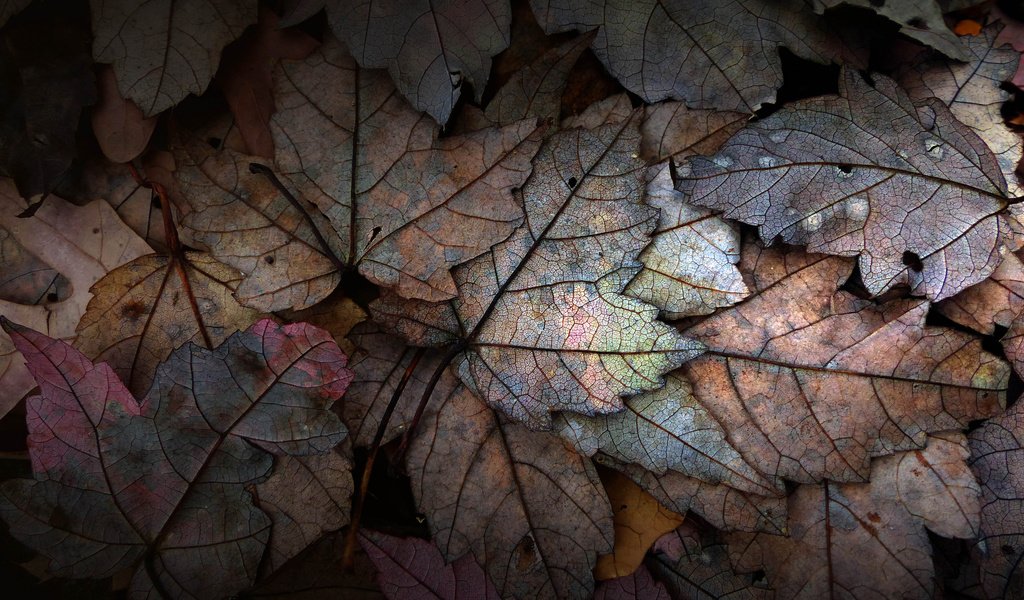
x: 934, y: 148
x: 778, y: 136
x: 857, y: 208
x: 790, y: 212
x: 813, y: 222
x: 723, y: 161
x: 767, y: 161
x: 902, y: 154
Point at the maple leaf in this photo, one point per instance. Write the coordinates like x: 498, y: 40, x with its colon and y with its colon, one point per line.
x: 811, y: 383
x: 430, y: 48
x: 163, y: 50
x: 712, y: 55
x: 996, y: 457
x: 907, y: 188
x: 402, y: 205
x: 83, y: 243
x: 159, y: 486
x: 869, y: 540
x: 540, y: 323
x: 413, y: 568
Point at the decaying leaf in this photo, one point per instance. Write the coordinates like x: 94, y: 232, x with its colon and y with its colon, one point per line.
x: 639, y: 521
x: 141, y: 311
x: 26, y: 279
x: 406, y: 206
x: 165, y: 49
x: 528, y: 507
x: 637, y: 586
x: 413, y: 568
x: 868, y: 540
x: 918, y: 19
x: 907, y: 188
x: 159, y: 486
x: 120, y: 127
x: 972, y: 91
x: 83, y: 243
x: 997, y: 301
x: 997, y: 454
x: 695, y: 564
x: 721, y: 54
x: 810, y: 383
x: 431, y: 48
x: 540, y: 321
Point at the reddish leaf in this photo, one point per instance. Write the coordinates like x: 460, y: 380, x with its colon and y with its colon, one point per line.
x: 120, y: 127
x: 411, y: 569
x: 159, y: 487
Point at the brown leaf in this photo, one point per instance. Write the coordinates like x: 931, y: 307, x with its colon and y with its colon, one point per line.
x: 541, y: 321
x: 245, y: 77
x: 430, y: 48
x: 997, y: 459
x: 84, y: 243
x: 695, y: 564
x: 121, y: 129
x: 338, y: 314
x: 305, y: 498
x: 911, y: 190
x: 26, y: 279
x: 997, y: 301
x: 528, y: 507
x: 163, y: 50
x: 639, y: 521
x: 869, y: 540
x: 639, y: 585
x: 810, y: 383
x: 141, y: 311
x: 671, y: 130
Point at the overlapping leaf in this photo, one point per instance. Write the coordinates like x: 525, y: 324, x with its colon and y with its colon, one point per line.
x: 638, y: 586
x: 869, y: 540
x: 540, y: 321
x: 907, y: 188
x: 159, y: 486
x: 166, y: 49
x: 997, y: 459
x: 119, y: 125
x: 695, y: 564
x: 810, y: 383
x: 995, y: 302
x: 431, y: 48
x: 412, y: 568
x: 83, y: 243
x: 721, y: 54
x: 918, y: 19
x: 529, y: 508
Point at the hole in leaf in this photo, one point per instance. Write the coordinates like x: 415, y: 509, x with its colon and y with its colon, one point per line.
x: 572, y: 182
x: 52, y: 297
x: 913, y: 261
x: 1008, y: 550
x: 918, y: 22
x: 758, y: 576
x: 214, y: 142
x: 155, y: 201
x: 846, y: 169
x: 268, y: 259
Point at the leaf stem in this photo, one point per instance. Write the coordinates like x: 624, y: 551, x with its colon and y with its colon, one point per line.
x: 348, y: 555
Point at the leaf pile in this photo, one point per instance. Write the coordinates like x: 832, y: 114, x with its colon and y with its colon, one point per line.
x: 488, y: 299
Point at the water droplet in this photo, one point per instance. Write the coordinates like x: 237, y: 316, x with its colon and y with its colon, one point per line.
x: 723, y: 161
x: 902, y: 154
x: 778, y: 136
x: 790, y: 212
x: 934, y: 148
x: 857, y: 208
x: 767, y: 161
x: 813, y: 222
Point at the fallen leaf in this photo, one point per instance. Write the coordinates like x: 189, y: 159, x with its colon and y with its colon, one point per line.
x: 996, y: 458
x: 413, y: 568
x: 637, y: 586
x: 406, y: 205
x: 121, y: 129
x: 84, y: 243
x: 671, y: 130
x: 143, y: 310
x: 158, y: 486
x: 26, y: 279
x: 995, y: 302
x: 528, y: 507
x: 540, y: 321
x: 245, y: 77
x: 918, y: 19
x: 536, y: 90
x: 868, y: 540
x: 164, y: 50
x: 907, y: 188
x: 46, y: 79
x: 972, y: 91
x: 306, y: 497
x: 639, y: 521
x: 711, y: 55
x: 695, y: 564
x: 338, y: 314
x: 811, y: 383
x: 432, y: 49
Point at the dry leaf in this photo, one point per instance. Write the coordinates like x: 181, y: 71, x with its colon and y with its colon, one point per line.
x: 120, y: 127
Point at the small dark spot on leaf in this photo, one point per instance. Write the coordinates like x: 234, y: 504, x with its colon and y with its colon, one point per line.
x: 846, y: 169
x: 757, y: 575
x: 155, y: 201
x: 1008, y: 550
x: 913, y: 261
x: 175, y: 297
x: 268, y: 259
x: 526, y: 553
x: 918, y: 22
x: 873, y: 517
x: 132, y: 310
x: 52, y: 297
x: 572, y: 182
x: 870, y: 529
x: 58, y: 518
x: 95, y: 229
x: 376, y: 232
x: 214, y: 142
